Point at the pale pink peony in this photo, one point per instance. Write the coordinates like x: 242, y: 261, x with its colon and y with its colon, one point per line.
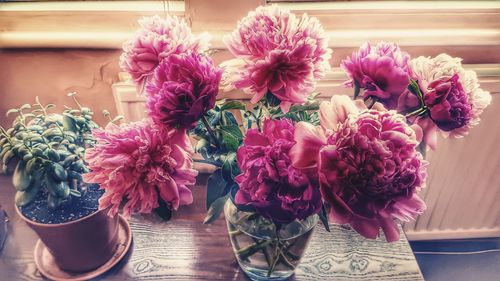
x: 139, y: 164
x: 184, y: 87
x: 460, y: 101
x: 157, y: 39
x: 381, y: 70
x: 368, y: 166
x: 279, y: 53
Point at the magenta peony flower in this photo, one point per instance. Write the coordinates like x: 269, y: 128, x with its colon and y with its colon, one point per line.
x: 157, y: 39
x: 451, y: 93
x: 140, y: 163
x: 269, y: 182
x: 448, y: 103
x: 369, y: 168
x: 381, y: 70
x: 279, y: 53
x: 184, y: 87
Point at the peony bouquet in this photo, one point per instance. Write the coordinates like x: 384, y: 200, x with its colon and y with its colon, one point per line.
x: 286, y: 157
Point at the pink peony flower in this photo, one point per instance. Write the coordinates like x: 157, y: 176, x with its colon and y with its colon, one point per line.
x: 269, y: 182
x: 279, y: 53
x: 140, y: 163
x: 157, y: 39
x: 184, y: 87
x: 381, y: 70
x: 448, y: 103
x: 451, y: 93
x: 369, y: 168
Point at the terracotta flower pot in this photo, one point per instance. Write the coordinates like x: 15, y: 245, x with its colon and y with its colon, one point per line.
x: 81, y: 245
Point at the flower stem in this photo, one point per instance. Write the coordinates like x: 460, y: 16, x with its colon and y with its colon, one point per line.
x: 264, y: 251
x: 277, y: 254
x: 285, y: 260
x: 416, y: 112
x: 246, y: 252
x: 210, y: 130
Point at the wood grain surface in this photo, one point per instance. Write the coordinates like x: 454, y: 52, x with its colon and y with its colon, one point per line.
x: 186, y: 249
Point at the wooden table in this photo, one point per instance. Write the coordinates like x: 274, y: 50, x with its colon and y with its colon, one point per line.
x: 186, y: 249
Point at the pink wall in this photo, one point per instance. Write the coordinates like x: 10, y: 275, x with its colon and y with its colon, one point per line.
x: 50, y: 74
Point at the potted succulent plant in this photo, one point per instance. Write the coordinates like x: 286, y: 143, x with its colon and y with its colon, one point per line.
x: 45, y: 152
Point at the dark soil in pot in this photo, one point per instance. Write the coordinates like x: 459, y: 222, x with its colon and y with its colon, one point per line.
x: 73, y: 209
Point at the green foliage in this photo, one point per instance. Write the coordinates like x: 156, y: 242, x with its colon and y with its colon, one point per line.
x: 47, y: 151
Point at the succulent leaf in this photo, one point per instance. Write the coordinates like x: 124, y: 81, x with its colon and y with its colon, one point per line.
x: 24, y: 197
x: 21, y: 179
x: 69, y: 123
x: 58, y: 172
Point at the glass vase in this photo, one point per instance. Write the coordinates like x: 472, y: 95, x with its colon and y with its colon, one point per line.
x: 262, y: 251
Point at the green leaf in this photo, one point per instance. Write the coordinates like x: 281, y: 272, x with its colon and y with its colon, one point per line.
x: 230, y: 142
x: 233, y: 104
x: 69, y: 123
x: 52, y: 132
x: 24, y: 197
x: 216, y: 186
x: 7, y: 157
x: 272, y: 100
x: 230, y: 168
x: 55, y: 188
x: 229, y: 118
x: 21, y: 135
x: 21, y: 179
x: 10, y: 131
x: 37, y: 139
x: 31, y: 164
x: 305, y: 107
x: 357, y: 90
x: 231, y: 136
x: 35, y: 128
x: 58, y: 172
x: 5, y: 148
x: 75, y: 193
x: 53, y: 155
x: 234, y: 130
x: 78, y: 166
x: 323, y: 216
x: 163, y: 210
x: 27, y: 157
x: 69, y: 160
x: 37, y: 152
x: 74, y: 175
x: 215, y: 209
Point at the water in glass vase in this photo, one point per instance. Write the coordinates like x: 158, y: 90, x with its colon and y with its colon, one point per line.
x: 263, y: 252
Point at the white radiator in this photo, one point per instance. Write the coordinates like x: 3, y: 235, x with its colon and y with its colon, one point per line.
x: 463, y: 185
